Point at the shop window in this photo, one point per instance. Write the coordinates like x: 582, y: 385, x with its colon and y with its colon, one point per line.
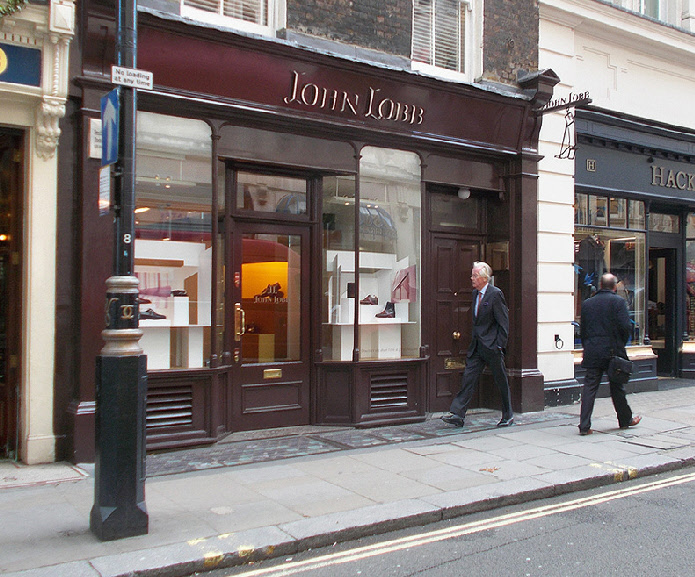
x: 259, y: 16
x: 690, y: 276
x: 659, y: 222
x: 616, y: 244
x: 637, y: 219
x: 618, y: 213
x: 380, y: 284
x: 444, y: 36
x: 581, y: 208
x: 450, y: 212
x: 173, y: 246
x: 268, y: 193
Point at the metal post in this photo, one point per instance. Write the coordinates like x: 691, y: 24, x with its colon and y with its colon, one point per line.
x: 121, y: 369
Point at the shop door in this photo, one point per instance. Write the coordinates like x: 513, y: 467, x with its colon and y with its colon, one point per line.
x: 10, y: 288
x: 271, y: 326
x: 452, y: 260
x: 661, y: 308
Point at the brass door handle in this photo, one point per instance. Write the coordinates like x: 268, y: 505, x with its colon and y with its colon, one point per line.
x: 239, y: 321
x: 456, y: 335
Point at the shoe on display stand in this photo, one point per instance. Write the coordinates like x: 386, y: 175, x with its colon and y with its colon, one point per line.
x: 369, y: 300
x: 389, y: 312
x: 150, y: 315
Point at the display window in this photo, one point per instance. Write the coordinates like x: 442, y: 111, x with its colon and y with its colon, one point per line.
x: 377, y: 287
x: 173, y: 246
x: 690, y: 276
x: 614, y: 248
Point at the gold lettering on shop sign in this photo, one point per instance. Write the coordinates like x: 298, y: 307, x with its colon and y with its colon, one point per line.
x: 669, y: 178
x: 374, y: 106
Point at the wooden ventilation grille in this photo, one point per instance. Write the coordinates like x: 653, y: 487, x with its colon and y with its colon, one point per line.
x: 389, y: 392
x: 169, y: 407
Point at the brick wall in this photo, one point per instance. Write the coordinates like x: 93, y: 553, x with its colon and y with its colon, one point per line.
x: 510, y: 40
x: 376, y: 24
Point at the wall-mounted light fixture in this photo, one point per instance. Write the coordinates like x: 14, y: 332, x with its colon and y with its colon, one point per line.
x: 464, y: 193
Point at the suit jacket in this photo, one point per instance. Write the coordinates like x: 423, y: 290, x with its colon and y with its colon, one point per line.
x: 605, y: 328
x: 491, y: 324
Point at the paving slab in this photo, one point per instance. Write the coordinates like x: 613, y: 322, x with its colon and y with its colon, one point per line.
x: 259, y: 496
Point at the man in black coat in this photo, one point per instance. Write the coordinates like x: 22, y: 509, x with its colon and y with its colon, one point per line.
x: 605, y: 329
x: 490, y: 333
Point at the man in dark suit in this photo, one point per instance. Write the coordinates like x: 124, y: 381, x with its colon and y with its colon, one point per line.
x: 605, y: 329
x: 490, y: 333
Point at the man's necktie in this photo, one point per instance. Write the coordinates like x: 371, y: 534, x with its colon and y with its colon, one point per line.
x: 477, y: 307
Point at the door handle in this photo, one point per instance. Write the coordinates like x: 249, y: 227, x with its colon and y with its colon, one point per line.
x: 456, y: 335
x: 239, y: 321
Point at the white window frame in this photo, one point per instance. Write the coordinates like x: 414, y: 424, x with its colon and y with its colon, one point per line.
x: 473, y: 34
x: 277, y: 18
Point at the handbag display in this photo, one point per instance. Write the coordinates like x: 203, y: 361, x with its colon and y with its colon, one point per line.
x: 619, y: 370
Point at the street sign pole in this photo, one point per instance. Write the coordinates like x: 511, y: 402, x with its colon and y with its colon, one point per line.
x: 121, y: 369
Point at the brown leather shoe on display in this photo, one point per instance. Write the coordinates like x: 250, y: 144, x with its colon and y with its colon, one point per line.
x: 389, y: 312
x: 369, y: 300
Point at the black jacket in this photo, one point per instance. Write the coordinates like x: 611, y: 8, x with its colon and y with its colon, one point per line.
x: 491, y: 326
x: 605, y: 328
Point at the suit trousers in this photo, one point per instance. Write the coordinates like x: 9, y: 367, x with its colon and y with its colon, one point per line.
x: 475, y: 364
x: 592, y: 381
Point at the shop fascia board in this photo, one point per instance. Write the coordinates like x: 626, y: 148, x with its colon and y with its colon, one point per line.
x: 273, y: 45
x: 620, y: 27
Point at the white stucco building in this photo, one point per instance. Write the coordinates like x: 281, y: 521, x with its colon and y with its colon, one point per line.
x: 629, y: 193
x: 34, y: 44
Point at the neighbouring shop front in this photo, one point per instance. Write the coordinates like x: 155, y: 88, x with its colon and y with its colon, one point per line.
x: 34, y: 46
x: 635, y: 217
x: 305, y: 230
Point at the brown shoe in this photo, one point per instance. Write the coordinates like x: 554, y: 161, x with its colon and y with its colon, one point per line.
x: 634, y: 421
x: 586, y: 432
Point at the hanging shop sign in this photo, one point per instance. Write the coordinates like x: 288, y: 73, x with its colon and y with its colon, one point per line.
x: 568, y: 144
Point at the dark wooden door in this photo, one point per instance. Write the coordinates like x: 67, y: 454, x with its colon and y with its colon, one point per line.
x: 452, y: 260
x: 271, y: 320
x: 662, y: 309
x: 10, y: 288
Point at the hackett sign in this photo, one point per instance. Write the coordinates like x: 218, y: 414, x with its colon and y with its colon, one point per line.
x: 669, y: 178
x: 371, y: 105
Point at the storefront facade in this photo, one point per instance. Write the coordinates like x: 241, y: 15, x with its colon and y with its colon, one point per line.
x: 305, y: 230
x: 635, y: 196
x: 34, y: 46
x: 598, y: 208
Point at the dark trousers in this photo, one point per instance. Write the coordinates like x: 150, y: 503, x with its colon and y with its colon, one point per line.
x: 474, y: 366
x: 592, y: 380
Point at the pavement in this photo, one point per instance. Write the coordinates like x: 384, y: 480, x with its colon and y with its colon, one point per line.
x: 273, y: 493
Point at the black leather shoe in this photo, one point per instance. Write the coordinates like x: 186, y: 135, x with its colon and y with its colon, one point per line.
x: 452, y: 419
x: 506, y: 422
x: 150, y: 315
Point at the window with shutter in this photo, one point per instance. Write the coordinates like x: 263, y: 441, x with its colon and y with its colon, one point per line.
x: 260, y: 16
x: 444, y: 35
